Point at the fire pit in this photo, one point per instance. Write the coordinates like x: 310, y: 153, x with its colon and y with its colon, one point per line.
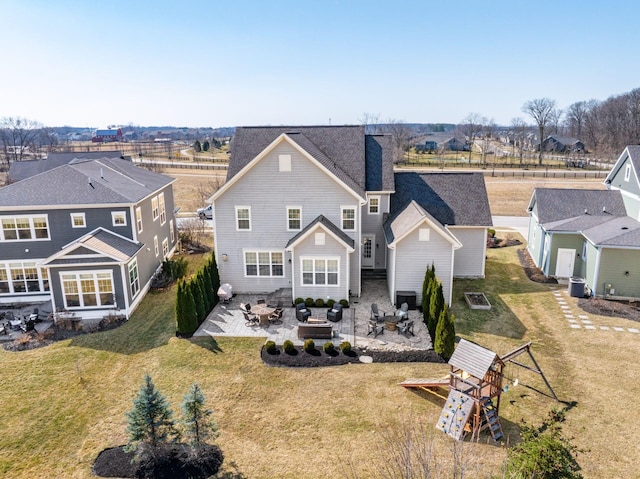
x: 477, y: 301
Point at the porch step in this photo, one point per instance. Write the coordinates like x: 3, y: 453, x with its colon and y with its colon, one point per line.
x: 283, y: 294
x: 372, y: 274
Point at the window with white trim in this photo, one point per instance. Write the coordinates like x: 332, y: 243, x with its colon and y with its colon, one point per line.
x: 348, y: 216
x: 154, y: 208
x: 264, y: 263
x: 87, y: 289
x: 78, y: 220
x: 119, y: 218
x: 627, y: 172
x: 22, y: 277
x: 156, y: 249
x: 139, y: 218
x: 134, y: 280
x: 172, y: 231
x: 165, y: 248
x: 243, y: 218
x: 320, y: 271
x: 24, y: 228
x: 163, y: 210
x: 294, y: 218
x: 374, y: 205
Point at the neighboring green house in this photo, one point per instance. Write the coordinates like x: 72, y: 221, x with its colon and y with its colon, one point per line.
x: 592, y: 234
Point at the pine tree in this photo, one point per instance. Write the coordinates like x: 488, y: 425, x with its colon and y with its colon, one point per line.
x: 445, y: 341
x: 194, y: 286
x: 435, y: 307
x: 198, y: 426
x: 149, y: 422
x: 197, y: 147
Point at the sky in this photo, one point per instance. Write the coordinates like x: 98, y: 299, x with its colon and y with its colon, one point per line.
x: 215, y: 63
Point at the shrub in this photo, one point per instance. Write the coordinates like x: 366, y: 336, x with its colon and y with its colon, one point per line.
x: 298, y: 301
x: 345, y: 347
x: 288, y: 347
x: 309, y: 302
x: 270, y: 347
x: 344, y: 303
x: 309, y: 345
x: 175, y: 268
x: 331, y: 302
x: 329, y: 347
x: 491, y: 232
x: 319, y: 303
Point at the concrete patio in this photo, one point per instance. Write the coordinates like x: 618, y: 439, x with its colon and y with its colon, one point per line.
x: 228, y: 320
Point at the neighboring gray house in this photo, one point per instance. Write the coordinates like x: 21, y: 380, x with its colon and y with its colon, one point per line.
x: 308, y: 209
x: 559, y: 144
x: 593, y: 234
x: 442, y: 141
x: 87, y: 235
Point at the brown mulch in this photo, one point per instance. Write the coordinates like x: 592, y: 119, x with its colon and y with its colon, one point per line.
x: 607, y: 307
x: 531, y: 270
x: 319, y: 358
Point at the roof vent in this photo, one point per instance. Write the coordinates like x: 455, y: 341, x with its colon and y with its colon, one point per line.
x: 604, y: 209
x: 101, y: 173
x: 586, y: 212
x: 624, y: 228
x: 91, y: 184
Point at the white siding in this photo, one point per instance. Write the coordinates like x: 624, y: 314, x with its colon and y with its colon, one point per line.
x: 269, y: 191
x: 413, y: 257
x: 372, y: 224
x: 469, y: 260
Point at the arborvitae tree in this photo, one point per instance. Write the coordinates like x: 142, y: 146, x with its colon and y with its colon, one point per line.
x: 429, y: 277
x: 445, y: 341
x: 205, y: 294
x: 435, y: 307
x: 198, y: 298
x: 209, y: 292
x: 149, y: 422
x: 197, y: 147
x: 198, y: 426
x: 186, y: 313
x: 215, y: 277
x: 205, y: 145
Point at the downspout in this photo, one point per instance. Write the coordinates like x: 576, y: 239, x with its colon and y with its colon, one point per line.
x: 292, y: 276
x: 596, y: 272
x: 453, y: 251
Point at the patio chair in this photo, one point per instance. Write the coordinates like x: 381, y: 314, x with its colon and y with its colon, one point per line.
x: 335, y: 314
x: 403, y: 312
x: 302, y: 313
x: 406, y: 329
x: 279, y: 305
x: 29, y: 325
x: 3, y: 329
x: 250, y: 319
x: 375, y: 328
x: 376, y: 314
x: 276, y: 316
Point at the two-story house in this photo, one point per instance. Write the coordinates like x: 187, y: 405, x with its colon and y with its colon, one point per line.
x: 592, y: 234
x: 87, y: 235
x: 309, y: 208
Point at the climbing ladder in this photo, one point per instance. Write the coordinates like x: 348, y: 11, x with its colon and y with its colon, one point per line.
x: 490, y: 419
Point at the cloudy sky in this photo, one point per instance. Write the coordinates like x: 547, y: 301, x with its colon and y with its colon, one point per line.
x: 270, y: 62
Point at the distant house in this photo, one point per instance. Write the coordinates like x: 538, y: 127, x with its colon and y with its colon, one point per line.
x: 559, y: 144
x: 104, y: 136
x: 87, y: 235
x: 307, y: 209
x: 593, y: 234
x: 442, y: 141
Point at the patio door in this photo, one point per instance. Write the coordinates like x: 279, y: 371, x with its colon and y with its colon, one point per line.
x: 564, y: 262
x: 367, y: 251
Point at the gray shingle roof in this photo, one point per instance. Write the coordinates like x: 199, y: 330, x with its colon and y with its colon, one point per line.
x: 20, y: 170
x: 555, y: 204
x: 622, y: 231
x: 578, y: 223
x: 451, y: 198
x: 106, y: 181
x: 345, y: 238
x: 362, y: 162
x: 634, y: 155
x: 473, y: 358
x: 406, y: 220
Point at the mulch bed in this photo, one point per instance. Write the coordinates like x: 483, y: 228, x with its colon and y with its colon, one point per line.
x: 319, y: 358
x: 607, y: 307
x: 531, y: 270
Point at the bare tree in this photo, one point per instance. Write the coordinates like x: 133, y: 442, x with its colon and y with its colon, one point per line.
x: 471, y: 127
x: 488, y: 131
x: 519, y: 128
x: 206, y: 190
x: 401, y: 134
x: 371, y: 123
x: 543, y: 111
x: 17, y: 135
x: 575, y: 117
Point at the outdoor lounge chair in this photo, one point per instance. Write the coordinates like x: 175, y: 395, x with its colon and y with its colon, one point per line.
x: 29, y: 325
x: 406, y: 329
x: 335, y: 314
x: 375, y: 328
x: 302, y: 313
x: 403, y: 312
x: 251, y: 319
x: 376, y: 314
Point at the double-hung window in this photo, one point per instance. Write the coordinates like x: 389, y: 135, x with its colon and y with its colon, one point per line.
x: 155, y: 245
x: 78, y: 220
x: 87, y: 289
x: 320, y: 271
x: 348, y: 218
x: 154, y: 208
x: 139, y: 218
x: 134, y: 281
x: 243, y: 218
x: 24, y: 228
x: 374, y: 205
x: 165, y: 248
x: 294, y: 218
x: 163, y: 210
x: 263, y: 263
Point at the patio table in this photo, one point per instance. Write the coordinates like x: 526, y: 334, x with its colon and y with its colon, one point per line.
x: 390, y: 322
x: 263, y: 312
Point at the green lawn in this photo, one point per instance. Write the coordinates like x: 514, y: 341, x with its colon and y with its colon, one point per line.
x: 63, y: 404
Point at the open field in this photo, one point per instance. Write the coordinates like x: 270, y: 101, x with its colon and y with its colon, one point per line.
x: 61, y: 405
